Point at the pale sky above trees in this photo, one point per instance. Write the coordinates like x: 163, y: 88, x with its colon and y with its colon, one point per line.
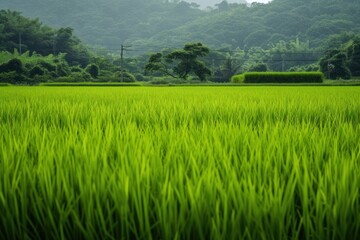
x: 205, y: 3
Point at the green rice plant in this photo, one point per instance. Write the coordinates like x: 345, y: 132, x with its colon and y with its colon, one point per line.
x: 179, y: 163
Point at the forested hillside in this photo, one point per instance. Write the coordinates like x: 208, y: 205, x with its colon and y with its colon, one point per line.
x: 150, y: 23
x: 109, y: 22
x: 264, y: 24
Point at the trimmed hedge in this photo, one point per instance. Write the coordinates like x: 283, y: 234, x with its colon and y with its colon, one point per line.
x: 237, y: 78
x: 283, y: 77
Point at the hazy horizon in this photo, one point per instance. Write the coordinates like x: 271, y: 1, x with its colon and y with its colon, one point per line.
x: 206, y: 3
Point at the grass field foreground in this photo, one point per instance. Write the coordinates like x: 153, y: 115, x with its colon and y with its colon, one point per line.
x: 180, y: 163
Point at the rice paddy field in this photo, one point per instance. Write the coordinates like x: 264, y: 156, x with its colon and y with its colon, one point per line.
x: 180, y: 162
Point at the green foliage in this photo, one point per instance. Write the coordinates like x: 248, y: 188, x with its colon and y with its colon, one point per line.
x: 354, y: 58
x: 34, y: 36
x: 91, y: 84
x: 123, y: 77
x: 283, y: 77
x: 141, y: 78
x: 66, y: 42
x: 306, y: 68
x: 259, y: 67
x: 76, y: 69
x: 334, y: 65
x: 74, y: 77
x: 13, y: 65
x: 93, y: 70
x: 40, y: 39
x: 37, y: 70
x: 14, y: 78
x: 185, y: 61
x: 49, y: 66
x: 229, y: 68
x: 162, y: 23
x: 238, y: 78
x: 160, y: 81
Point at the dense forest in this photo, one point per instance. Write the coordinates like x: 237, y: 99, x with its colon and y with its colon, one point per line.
x: 150, y: 23
x: 283, y: 35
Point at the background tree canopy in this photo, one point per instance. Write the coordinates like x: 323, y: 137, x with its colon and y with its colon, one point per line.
x: 183, y: 62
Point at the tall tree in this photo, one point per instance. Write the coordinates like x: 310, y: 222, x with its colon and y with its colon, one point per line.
x: 183, y: 61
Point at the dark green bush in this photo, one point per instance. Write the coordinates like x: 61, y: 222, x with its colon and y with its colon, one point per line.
x: 141, y: 78
x: 260, y: 67
x: 13, y: 65
x: 105, y: 73
x: 126, y: 77
x: 305, y: 68
x: 237, y: 78
x: 283, y: 77
x: 76, y: 69
x: 93, y: 70
x: 14, y: 78
x: 46, y: 77
x: 75, y: 77
x: 62, y: 70
x: 48, y: 66
x: 37, y: 70
x: 160, y: 81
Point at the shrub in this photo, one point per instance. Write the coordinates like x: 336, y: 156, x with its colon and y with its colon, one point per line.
x: 127, y: 77
x: 48, y: 66
x: 36, y: 71
x: 62, y: 71
x: 13, y: 65
x: 14, y: 78
x: 260, y: 67
x: 76, y: 69
x: 105, y: 73
x: 237, y: 78
x: 42, y: 78
x: 283, y: 77
x: 141, y: 78
x: 93, y: 70
x: 306, y: 68
x: 75, y: 77
x: 159, y: 81
x: 334, y: 65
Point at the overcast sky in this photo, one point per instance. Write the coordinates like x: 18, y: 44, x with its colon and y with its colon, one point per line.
x: 205, y: 3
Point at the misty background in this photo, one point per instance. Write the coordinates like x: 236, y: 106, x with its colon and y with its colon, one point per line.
x: 207, y: 3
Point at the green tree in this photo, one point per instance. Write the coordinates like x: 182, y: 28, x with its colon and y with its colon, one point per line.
x: 183, y: 62
x: 354, y: 59
x: 13, y: 65
x: 93, y: 70
x: 259, y: 67
x: 334, y: 65
x: 66, y: 42
x: 230, y: 67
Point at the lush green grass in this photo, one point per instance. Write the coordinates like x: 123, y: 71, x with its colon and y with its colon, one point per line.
x: 180, y: 163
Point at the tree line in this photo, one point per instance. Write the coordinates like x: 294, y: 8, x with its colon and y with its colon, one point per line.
x: 44, y: 53
x: 152, y: 24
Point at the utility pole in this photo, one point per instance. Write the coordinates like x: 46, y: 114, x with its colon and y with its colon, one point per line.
x: 123, y: 48
x: 20, y: 49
